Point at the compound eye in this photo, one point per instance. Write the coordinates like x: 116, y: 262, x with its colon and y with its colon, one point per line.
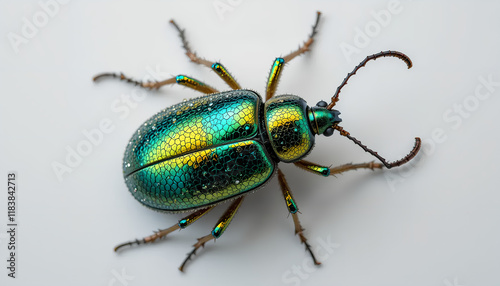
x: 328, y: 132
x: 321, y: 103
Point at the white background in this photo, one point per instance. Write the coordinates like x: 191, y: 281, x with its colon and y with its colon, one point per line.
x: 433, y: 223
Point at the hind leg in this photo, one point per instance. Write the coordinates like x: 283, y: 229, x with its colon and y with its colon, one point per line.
x: 183, y: 223
x: 217, y: 231
x: 293, y: 209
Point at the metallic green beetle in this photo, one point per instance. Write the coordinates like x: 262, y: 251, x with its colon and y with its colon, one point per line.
x: 218, y: 147
x: 213, y: 148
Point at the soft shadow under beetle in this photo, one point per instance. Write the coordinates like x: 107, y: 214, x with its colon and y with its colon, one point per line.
x: 219, y: 147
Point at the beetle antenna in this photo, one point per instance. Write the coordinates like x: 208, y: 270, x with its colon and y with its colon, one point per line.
x: 396, y: 54
x: 388, y: 165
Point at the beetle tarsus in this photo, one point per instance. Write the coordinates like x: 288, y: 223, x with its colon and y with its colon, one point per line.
x: 121, y: 76
x: 303, y: 240
x: 161, y: 233
x: 200, y: 243
x: 315, y: 26
x: 185, y: 43
x: 193, y: 252
x: 130, y: 243
x: 308, y: 248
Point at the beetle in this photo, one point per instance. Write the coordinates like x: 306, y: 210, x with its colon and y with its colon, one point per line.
x: 219, y: 147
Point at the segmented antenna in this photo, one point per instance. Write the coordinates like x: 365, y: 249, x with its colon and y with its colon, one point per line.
x: 396, y: 54
x: 388, y: 165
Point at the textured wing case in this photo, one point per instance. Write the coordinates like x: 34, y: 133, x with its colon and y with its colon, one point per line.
x: 198, y: 153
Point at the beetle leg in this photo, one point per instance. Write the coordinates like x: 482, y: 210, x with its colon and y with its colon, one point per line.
x: 293, y: 209
x: 218, y: 68
x: 278, y: 64
x: 183, y: 223
x: 180, y: 79
x: 327, y: 171
x: 217, y: 231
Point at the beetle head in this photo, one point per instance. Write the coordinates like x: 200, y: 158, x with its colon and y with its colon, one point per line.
x: 322, y: 120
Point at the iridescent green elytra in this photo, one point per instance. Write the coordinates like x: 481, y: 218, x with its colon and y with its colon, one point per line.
x: 216, y: 147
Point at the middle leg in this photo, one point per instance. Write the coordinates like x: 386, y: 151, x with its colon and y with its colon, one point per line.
x: 278, y: 64
x: 293, y: 209
x: 327, y: 171
x: 217, y: 231
x: 218, y: 68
